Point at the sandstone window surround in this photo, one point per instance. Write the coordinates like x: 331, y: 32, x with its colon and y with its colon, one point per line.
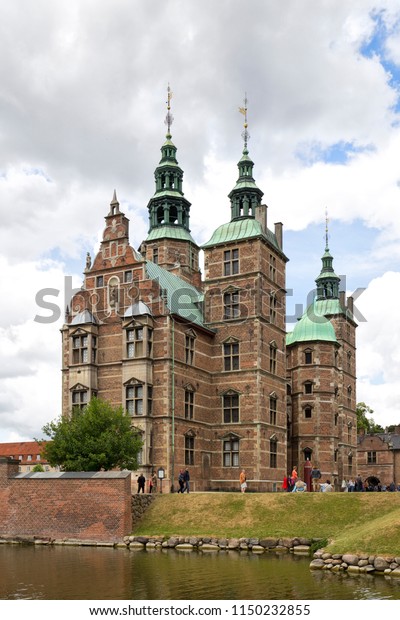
x: 231, y: 262
x: 307, y: 452
x: 273, y: 304
x: 308, y: 411
x: 189, y: 448
x: 273, y: 402
x: 273, y: 348
x: 272, y: 267
x: 189, y: 402
x: 190, y: 340
x: 308, y: 356
x: 230, y: 405
x: 230, y: 349
x: 273, y: 452
x: 350, y: 462
x: 80, y: 396
x: 128, y: 276
x: 308, y: 387
x: 80, y: 353
x: 138, y: 340
x: 231, y: 304
x: 230, y: 451
x: 349, y: 431
x: 138, y: 398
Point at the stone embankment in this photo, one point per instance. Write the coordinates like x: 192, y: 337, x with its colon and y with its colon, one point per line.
x: 194, y: 543
x: 352, y: 563
x: 139, y: 505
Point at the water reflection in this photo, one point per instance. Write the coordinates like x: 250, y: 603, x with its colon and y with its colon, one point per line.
x: 29, y: 572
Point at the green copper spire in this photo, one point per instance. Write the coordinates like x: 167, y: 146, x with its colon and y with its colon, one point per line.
x: 245, y: 196
x: 168, y: 207
x: 327, y: 281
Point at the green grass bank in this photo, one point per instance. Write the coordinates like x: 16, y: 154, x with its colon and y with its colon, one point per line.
x: 352, y: 522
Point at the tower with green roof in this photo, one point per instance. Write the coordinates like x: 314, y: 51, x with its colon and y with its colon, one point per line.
x: 169, y: 242
x: 245, y: 306
x: 321, y: 367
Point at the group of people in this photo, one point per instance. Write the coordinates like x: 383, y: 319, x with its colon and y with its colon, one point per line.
x: 141, y: 481
x: 357, y: 485
x: 292, y: 483
x: 184, y: 481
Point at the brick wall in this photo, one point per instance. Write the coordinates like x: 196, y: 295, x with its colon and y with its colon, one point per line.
x: 83, y: 506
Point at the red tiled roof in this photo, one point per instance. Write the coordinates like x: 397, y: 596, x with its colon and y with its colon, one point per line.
x: 23, y: 449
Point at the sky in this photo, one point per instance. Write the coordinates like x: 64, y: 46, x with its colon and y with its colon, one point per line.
x: 83, y: 88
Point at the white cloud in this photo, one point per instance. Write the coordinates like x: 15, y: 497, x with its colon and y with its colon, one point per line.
x: 378, y: 354
x: 81, y: 113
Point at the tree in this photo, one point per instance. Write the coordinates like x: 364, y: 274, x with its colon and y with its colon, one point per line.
x: 38, y: 468
x: 98, y: 437
x: 364, y: 423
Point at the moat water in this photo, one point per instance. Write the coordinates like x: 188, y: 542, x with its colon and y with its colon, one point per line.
x: 86, y: 573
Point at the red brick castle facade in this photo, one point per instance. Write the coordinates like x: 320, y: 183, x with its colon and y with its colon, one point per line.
x: 202, y: 366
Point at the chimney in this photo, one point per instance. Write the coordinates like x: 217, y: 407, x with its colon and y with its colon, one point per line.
x: 261, y: 216
x: 278, y: 234
x: 342, y: 300
x: 350, y: 305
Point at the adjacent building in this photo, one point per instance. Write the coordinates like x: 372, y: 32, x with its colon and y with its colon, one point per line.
x: 378, y: 455
x: 28, y: 453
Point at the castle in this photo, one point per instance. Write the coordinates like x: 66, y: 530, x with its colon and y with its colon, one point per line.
x: 203, y: 365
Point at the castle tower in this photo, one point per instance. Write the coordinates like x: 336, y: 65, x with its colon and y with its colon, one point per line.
x: 245, y: 306
x: 321, y: 368
x: 169, y: 243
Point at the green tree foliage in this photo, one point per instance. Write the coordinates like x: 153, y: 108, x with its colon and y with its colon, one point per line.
x: 38, y: 468
x: 365, y: 423
x: 99, y: 437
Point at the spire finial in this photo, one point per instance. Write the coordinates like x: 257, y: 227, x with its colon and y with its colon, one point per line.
x: 169, y: 119
x: 245, y: 133
x: 326, y: 229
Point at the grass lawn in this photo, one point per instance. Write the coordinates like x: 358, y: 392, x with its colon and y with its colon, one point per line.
x: 353, y: 522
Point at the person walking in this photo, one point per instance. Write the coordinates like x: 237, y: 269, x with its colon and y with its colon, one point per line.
x: 242, y: 480
x: 181, y: 481
x: 186, y: 479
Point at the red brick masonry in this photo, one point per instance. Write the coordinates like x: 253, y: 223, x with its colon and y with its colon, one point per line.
x: 65, y: 505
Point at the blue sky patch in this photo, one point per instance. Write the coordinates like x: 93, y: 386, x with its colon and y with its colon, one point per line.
x: 337, y: 153
x: 376, y: 46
